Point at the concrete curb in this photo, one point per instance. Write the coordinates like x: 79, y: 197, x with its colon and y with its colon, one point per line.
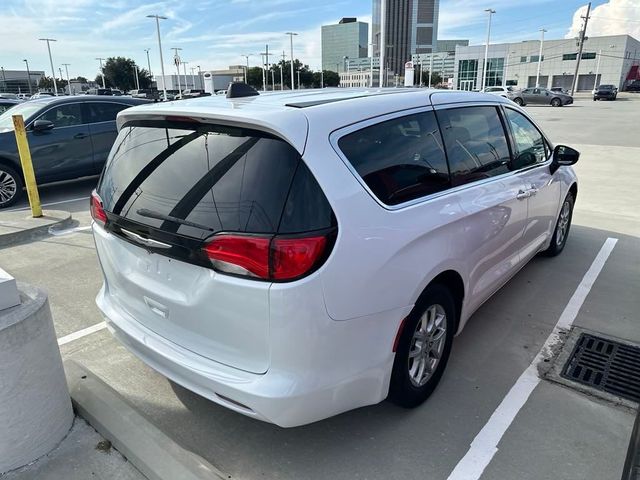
x: 19, y: 226
x: 152, y: 452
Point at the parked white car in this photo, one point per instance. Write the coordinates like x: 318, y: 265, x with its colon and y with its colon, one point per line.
x: 295, y: 255
x: 511, y: 93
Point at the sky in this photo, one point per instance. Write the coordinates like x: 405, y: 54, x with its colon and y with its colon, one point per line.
x: 216, y: 33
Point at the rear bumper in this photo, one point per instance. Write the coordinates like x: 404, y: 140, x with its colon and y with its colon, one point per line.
x: 288, y: 395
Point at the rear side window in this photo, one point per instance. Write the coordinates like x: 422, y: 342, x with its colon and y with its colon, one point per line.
x: 196, y: 180
x: 400, y: 159
x: 476, y: 143
x: 103, y: 111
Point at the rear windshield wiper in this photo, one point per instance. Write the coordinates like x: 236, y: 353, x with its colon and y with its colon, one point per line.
x: 168, y: 218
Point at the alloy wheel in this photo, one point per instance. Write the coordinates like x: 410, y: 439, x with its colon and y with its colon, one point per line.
x: 563, y: 223
x: 8, y: 187
x: 427, y: 345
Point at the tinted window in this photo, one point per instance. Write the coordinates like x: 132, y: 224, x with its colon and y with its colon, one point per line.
x: 64, y: 115
x: 529, y: 144
x: 215, y: 178
x: 400, y: 159
x: 103, y: 111
x: 476, y: 143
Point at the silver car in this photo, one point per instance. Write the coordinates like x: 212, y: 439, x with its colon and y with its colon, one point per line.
x: 511, y: 93
x: 543, y: 96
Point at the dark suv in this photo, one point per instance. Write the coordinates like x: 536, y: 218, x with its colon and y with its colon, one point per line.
x: 608, y: 92
x: 69, y: 137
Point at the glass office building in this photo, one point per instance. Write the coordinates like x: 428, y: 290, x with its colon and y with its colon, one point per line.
x: 344, y: 42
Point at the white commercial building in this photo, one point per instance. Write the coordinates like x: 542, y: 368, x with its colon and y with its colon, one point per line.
x: 358, y: 78
x: 614, y: 59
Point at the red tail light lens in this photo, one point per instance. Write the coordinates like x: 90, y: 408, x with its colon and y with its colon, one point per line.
x: 293, y: 257
x: 250, y: 254
x: 268, y: 258
x: 97, y: 211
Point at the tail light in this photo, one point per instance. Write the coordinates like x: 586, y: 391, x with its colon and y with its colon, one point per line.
x: 97, y: 210
x: 267, y: 257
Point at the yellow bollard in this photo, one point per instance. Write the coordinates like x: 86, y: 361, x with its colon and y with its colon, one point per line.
x: 27, y: 166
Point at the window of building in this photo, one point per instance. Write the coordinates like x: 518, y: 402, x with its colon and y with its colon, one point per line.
x: 523, y: 59
x: 588, y: 55
x: 570, y: 56
x: 495, y: 69
x: 512, y: 83
x: 534, y: 58
x: 467, y: 72
x: 401, y: 159
x: 476, y: 143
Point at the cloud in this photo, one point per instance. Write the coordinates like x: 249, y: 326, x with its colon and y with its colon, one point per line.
x: 616, y: 17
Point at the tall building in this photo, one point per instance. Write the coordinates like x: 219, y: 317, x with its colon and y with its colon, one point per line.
x: 348, y: 39
x: 408, y: 26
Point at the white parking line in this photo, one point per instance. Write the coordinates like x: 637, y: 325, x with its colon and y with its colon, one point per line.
x: 485, y: 444
x: 81, y: 333
x: 49, y: 204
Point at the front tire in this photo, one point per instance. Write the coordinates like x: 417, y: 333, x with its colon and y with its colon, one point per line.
x: 556, y: 102
x: 563, y: 225
x: 423, y: 348
x: 10, y: 186
x: 519, y: 101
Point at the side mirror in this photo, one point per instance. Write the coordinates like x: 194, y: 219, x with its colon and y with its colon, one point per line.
x: 42, y: 125
x: 563, y: 156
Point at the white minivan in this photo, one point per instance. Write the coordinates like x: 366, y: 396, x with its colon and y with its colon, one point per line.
x: 296, y: 255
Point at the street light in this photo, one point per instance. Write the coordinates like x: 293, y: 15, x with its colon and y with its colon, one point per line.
x: 246, y: 70
x: 164, y: 83
x: 291, y: 34
x: 135, y: 76
x: 176, y: 60
x: 148, y: 61
x: 282, y: 72
x: 490, y: 11
x: 506, y: 68
x: 104, y: 85
x: 66, y: 68
x: 53, y: 72
x: 371, y: 66
x: 542, y: 30
x: 595, y: 82
x: 28, y: 75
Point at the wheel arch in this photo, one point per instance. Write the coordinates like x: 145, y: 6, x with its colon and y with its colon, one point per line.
x: 12, y: 164
x: 452, y: 280
x: 573, y: 189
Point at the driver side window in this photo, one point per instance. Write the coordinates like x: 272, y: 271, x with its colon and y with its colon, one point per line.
x: 530, y: 147
x: 64, y: 115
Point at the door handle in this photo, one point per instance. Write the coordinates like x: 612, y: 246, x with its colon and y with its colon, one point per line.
x: 532, y: 191
x: 522, y: 195
x: 80, y: 135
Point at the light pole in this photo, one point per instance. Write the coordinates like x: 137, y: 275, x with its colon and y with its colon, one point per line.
x: 53, y: 72
x: 430, y: 67
x: 291, y: 34
x: 490, y: 11
x: 595, y: 83
x: 371, y: 67
x: 542, y: 30
x: 345, y: 63
x: 420, y: 64
x: 176, y: 60
x: 246, y: 70
x: 193, y: 77
x: 164, y: 82
x: 102, y: 72
x: 321, y: 77
x: 506, y: 69
x: 148, y: 62
x: 28, y: 76
x: 282, y: 72
x: 298, y: 79
x: 264, y: 73
x: 61, y: 77
x: 66, y: 69
x: 184, y: 67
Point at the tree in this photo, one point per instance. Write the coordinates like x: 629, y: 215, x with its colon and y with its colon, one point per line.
x: 120, y: 72
x: 80, y: 79
x: 331, y: 78
x: 46, y: 83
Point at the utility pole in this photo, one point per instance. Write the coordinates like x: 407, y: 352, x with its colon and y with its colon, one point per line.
x: 246, y: 70
x: 430, y: 67
x: 164, y: 81
x: 298, y: 79
x: 282, y: 72
x: 490, y: 11
x: 264, y: 72
x: 66, y: 68
x: 104, y: 85
x: 322, y: 78
x: 581, y: 40
x: 291, y: 34
x: 266, y: 56
x: 176, y: 60
x: 542, y: 30
x: 53, y: 72
x: 382, y: 42
x: 28, y: 76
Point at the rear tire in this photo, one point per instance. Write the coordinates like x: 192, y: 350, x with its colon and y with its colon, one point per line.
x: 11, y: 186
x: 518, y: 101
x: 563, y: 225
x: 423, y: 348
x: 556, y: 102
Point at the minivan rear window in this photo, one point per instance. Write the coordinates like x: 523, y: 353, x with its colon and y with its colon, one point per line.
x: 197, y: 180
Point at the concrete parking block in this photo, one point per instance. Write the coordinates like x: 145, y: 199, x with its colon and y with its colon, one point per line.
x: 152, y: 452
x: 19, y: 226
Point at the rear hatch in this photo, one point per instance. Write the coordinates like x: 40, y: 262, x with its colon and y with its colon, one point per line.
x: 188, y: 217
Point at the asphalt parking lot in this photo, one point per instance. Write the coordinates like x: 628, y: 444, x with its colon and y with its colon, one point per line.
x: 559, y: 433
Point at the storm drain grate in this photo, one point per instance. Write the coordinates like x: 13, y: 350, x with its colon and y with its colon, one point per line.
x: 605, y: 365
